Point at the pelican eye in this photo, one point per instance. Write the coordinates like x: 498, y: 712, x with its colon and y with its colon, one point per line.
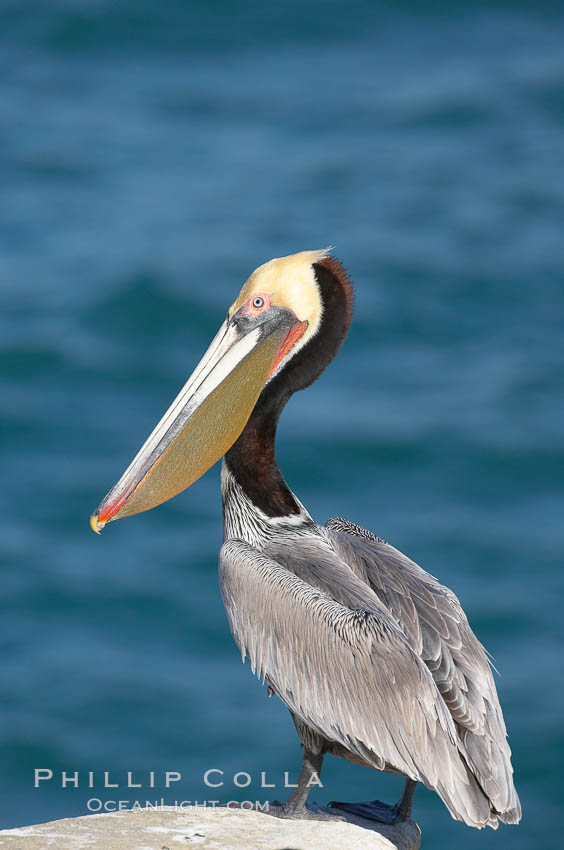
x: 258, y: 302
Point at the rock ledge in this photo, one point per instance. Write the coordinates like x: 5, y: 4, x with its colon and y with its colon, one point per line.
x: 206, y: 829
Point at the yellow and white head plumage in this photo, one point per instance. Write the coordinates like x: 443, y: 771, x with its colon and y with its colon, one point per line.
x: 290, y: 282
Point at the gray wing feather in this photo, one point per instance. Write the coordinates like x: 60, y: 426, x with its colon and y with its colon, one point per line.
x: 348, y: 673
x: 437, y: 629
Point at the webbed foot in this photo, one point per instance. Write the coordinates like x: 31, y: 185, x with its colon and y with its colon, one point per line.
x: 375, y: 810
x: 284, y: 810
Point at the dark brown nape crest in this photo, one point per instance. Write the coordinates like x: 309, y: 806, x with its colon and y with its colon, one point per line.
x: 251, y: 459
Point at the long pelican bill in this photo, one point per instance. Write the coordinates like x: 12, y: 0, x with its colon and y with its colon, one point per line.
x: 209, y: 413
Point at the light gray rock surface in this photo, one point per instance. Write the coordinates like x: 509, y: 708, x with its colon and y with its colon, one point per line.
x: 205, y: 829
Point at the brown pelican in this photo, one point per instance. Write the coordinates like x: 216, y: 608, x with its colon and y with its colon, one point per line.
x: 373, y: 657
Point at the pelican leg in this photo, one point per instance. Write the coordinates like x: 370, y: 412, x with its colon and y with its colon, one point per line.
x: 296, y: 807
x: 406, y: 800
x: 382, y: 812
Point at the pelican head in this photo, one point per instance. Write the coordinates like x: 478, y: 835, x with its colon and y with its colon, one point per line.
x: 278, y: 311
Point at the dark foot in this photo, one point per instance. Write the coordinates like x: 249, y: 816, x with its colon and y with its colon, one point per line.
x: 283, y: 810
x: 377, y: 811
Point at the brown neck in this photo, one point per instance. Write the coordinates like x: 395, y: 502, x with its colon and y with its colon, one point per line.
x: 252, y: 460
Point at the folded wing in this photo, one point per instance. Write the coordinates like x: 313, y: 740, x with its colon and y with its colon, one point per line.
x: 437, y: 629
x: 347, y: 672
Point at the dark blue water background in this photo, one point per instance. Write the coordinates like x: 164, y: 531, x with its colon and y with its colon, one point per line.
x: 151, y: 155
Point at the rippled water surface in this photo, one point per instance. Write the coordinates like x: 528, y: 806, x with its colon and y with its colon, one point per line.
x: 151, y: 155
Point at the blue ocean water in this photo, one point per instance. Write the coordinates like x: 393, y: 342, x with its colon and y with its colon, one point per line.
x: 151, y: 155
